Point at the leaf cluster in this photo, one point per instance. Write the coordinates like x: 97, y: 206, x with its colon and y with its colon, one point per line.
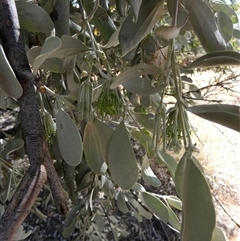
x: 110, y: 79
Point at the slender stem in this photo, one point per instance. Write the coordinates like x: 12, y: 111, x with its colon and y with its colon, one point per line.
x: 179, y: 97
x: 175, y: 15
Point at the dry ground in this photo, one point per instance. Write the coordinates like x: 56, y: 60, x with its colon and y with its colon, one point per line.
x: 220, y: 157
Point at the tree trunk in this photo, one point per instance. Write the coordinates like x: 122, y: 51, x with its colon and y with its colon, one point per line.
x: 41, y: 166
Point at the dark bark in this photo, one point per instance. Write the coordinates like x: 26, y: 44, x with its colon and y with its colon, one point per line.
x: 41, y: 166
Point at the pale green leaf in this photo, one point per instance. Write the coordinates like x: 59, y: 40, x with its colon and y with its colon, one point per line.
x: 33, y: 18
x: 91, y: 147
x: 173, y: 220
x: 169, y: 161
x: 135, y: 80
x: 132, y: 33
x: 223, y: 114
x: 204, y: 24
x: 144, y: 138
x: 113, y: 40
x: 138, y: 187
x: 167, y: 32
x: 147, y: 173
x: 33, y: 53
x: 51, y: 44
x: 218, y: 58
x: 108, y: 188
x: 121, y: 203
x: 178, y: 174
x: 21, y: 234
x: 69, y: 223
x: 142, y: 211
x: 8, y: 81
x: 12, y: 146
x: 236, y: 33
x: 227, y: 9
x: 135, y: 72
x: 54, y: 65
x: 174, y: 202
x: 225, y: 26
x: 69, y: 139
x: 70, y: 46
x: 144, y: 86
x: 137, y: 215
x: 121, y: 160
x: 156, y: 206
x: 218, y: 235
x: 96, y: 140
x: 198, y: 210
x: 146, y: 120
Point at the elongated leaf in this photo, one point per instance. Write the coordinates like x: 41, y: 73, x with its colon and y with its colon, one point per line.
x: 135, y: 4
x: 147, y: 173
x: 146, y: 120
x: 33, y: 18
x: 226, y: 8
x: 182, y: 14
x: 198, y: 210
x: 226, y: 115
x: 138, y: 187
x: 12, y: 146
x: 121, y: 160
x: 71, y: 219
x: 169, y: 161
x: 113, y: 40
x: 51, y: 44
x: 203, y: 21
x: 236, y: 33
x: 54, y: 65
x: 144, y: 138
x: 132, y: 33
x: 8, y: 81
x: 70, y: 46
x: 96, y: 140
x: 173, y: 220
x: 101, y: 20
x: 156, y: 206
x: 91, y: 147
x: 69, y: 139
x: 144, y: 86
x: 7, y: 188
x: 178, y: 175
x: 174, y: 202
x: 218, y: 58
x: 142, y: 211
x: 121, y: 203
x: 21, y: 234
x: 33, y: 53
x: 108, y: 188
x: 168, y: 32
x: 134, y: 72
x: 218, y: 235
x: 136, y: 80
x: 225, y: 26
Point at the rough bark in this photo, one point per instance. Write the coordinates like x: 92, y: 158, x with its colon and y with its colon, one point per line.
x: 41, y: 166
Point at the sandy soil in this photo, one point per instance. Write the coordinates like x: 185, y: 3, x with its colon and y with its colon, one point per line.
x: 219, y: 155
